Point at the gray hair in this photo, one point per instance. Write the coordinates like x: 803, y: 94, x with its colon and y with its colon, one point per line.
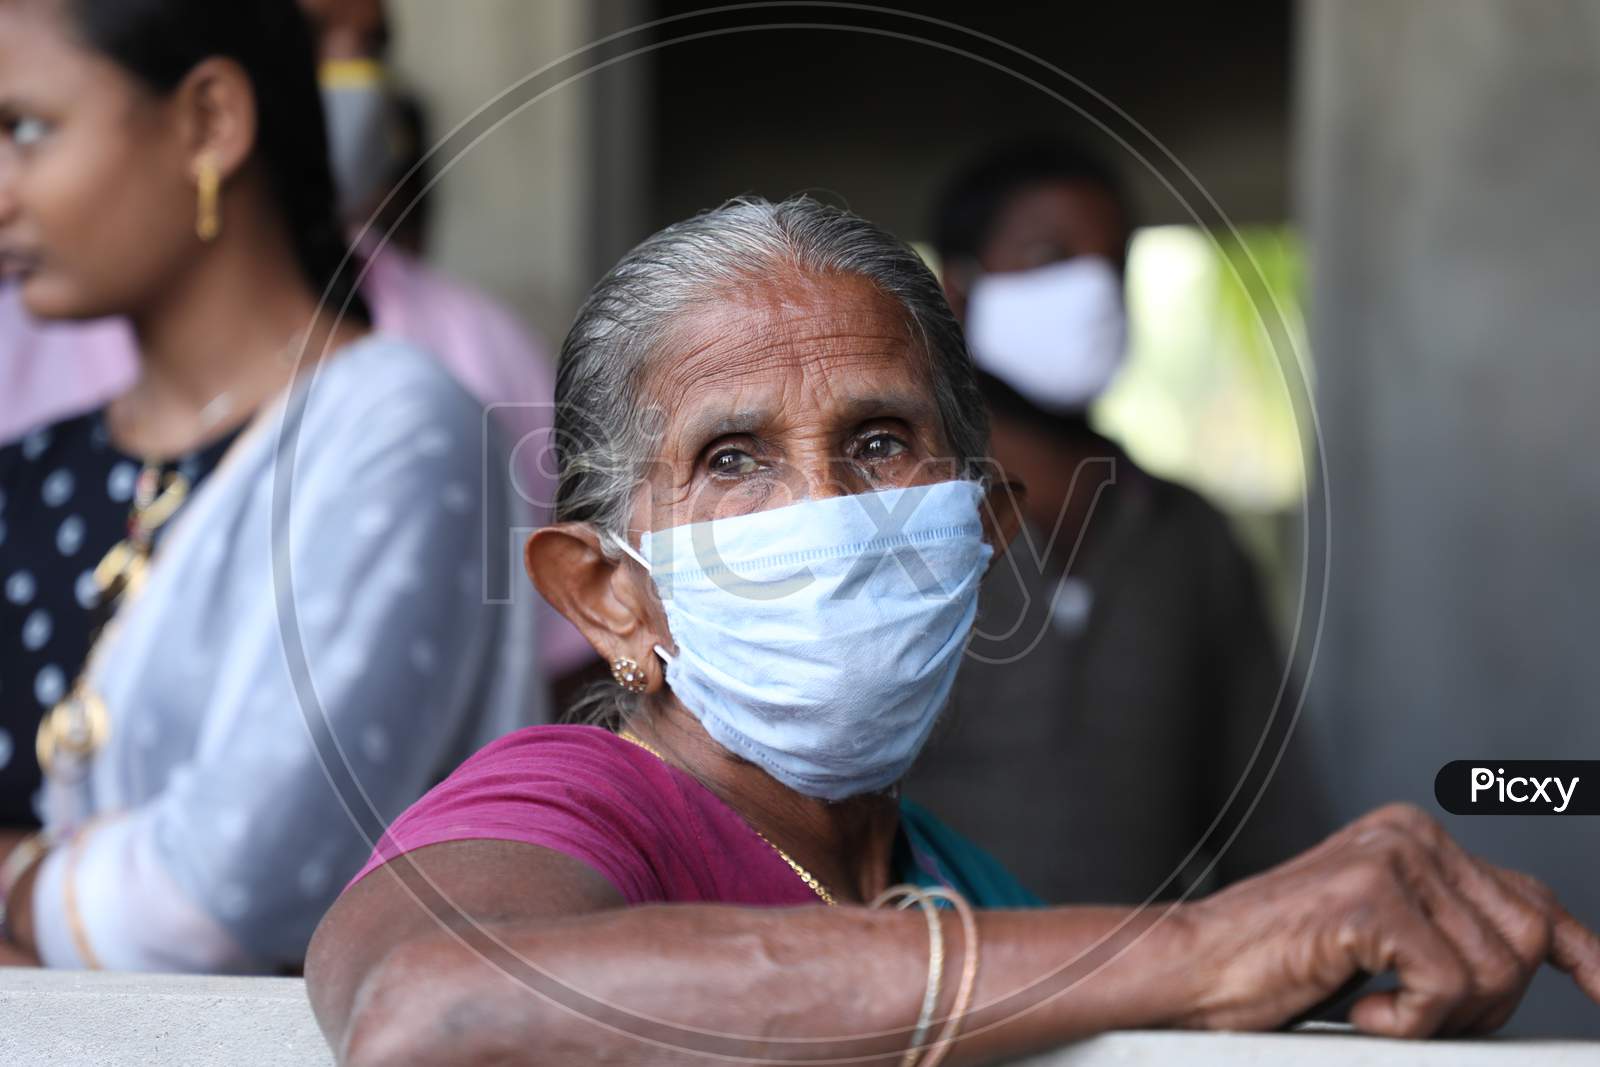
x: 606, y: 431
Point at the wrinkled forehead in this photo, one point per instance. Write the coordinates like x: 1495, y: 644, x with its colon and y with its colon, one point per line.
x: 805, y: 348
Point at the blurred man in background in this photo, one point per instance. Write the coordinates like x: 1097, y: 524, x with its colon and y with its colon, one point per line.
x: 1124, y: 670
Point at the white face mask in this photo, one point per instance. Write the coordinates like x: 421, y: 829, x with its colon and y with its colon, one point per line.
x: 356, y: 106
x: 820, y: 640
x: 1057, y: 334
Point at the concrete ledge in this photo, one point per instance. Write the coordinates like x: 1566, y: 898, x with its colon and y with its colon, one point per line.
x: 50, y: 1018
x: 1320, y: 1047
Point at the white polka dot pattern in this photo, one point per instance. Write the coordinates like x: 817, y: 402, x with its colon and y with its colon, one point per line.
x: 49, y: 686
x: 433, y: 442
x: 120, y: 482
x: 86, y: 590
x: 69, y: 535
x: 314, y: 878
x: 65, y: 492
x: 375, y: 743
x: 36, y: 630
x: 20, y: 588
x: 58, y: 488
x: 34, y: 444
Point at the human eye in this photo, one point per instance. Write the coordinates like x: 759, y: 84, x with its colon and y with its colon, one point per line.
x: 26, y: 131
x: 880, y: 445
x: 730, y: 461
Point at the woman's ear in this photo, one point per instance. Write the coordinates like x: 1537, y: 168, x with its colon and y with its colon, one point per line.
x: 611, y: 601
x: 217, y: 106
x: 1002, y: 514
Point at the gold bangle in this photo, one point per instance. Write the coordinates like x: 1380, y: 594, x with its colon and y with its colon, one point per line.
x: 969, y: 973
x: 908, y: 895
x: 23, y: 854
x: 75, y: 923
x: 22, y: 858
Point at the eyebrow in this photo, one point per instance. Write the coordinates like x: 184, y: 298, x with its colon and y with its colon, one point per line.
x: 712, y: 424
x: 913, y: 407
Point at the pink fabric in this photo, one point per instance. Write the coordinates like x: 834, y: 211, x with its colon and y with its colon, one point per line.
x: 48, y: 371
x: 652, y: 831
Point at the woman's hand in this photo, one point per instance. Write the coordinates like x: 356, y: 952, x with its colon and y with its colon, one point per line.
x: 1390, y: 892
x: 395, y: 980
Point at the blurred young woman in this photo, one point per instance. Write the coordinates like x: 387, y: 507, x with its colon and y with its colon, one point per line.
x: 248, y: 604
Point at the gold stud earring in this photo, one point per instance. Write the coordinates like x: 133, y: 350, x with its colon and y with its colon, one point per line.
x: 629, y: 674
x: 208, y: 209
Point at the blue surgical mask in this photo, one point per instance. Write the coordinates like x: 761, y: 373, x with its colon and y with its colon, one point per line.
x: 820, y: 640
x: 358, y: 110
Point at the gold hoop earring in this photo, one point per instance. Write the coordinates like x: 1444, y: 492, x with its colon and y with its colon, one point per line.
x: 629, y: 674
x: 208, y: 209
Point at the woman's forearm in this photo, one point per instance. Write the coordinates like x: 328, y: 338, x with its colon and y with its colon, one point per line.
x: 684, y: 984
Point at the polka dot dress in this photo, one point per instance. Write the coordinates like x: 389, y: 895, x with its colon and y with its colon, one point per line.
x: 65, y: 491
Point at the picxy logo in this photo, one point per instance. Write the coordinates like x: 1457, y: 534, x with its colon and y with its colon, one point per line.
x: 1522, y: 790
x: 1518, y: 787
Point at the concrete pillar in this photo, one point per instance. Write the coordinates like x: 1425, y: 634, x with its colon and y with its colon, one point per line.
x: 1448, y: 167
x: 537, y: 207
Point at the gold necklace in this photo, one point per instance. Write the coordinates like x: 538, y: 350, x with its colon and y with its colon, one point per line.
x: 156, y: 499
x: 77, y: 725
x: 805, y: 876
x: 157, y: 496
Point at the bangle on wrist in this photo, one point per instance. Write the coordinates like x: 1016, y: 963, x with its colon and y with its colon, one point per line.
x: 908, y: 895
x: 969, y: 973
x: 21, y: 859
x: 919, y: 1055
x: 75, y: 923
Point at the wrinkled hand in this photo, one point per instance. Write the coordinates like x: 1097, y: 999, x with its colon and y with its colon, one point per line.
x: 1390, y: 892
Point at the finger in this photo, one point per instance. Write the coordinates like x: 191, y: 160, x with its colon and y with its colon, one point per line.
x: 1501, y: 934
x: 1575, y: 948
x: 1516, y: 905
x: 1398, y: 936
x: 1521, y: 921
x: 1526, y: 912
x: 1495, y: 970
x: 1572, y: 946
x: 1522, y: 914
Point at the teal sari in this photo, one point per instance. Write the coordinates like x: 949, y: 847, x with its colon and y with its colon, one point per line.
x: 928, y: 853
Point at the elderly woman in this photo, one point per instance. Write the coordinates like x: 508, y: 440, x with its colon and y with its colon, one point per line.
x: 775, y: 518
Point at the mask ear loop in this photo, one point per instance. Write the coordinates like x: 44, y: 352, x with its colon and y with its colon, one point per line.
x: 622, y: 543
